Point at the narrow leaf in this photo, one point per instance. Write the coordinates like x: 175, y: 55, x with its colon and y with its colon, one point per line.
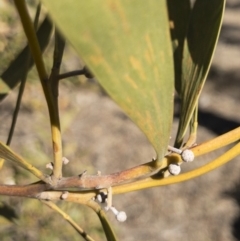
x: 202, y: 36
x: 179, y: 13
x: 16, y: 70
x: 7, y: 154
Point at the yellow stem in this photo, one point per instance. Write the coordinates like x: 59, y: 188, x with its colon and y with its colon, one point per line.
x: 68, y: 219
x: 150, y: 182
x: 32, y: 39
x: 217, y: 142
x: 7, y: 154
x: 110, y: 235
x: 52, y: 107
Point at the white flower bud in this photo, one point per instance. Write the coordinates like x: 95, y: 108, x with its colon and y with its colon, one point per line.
x: 49, y: 165
x: 174, y: 169
x: 99, y: 198
x: 187, y: 155
x: 120, y: 216
x: 65, y: 161
x: 64, y: 195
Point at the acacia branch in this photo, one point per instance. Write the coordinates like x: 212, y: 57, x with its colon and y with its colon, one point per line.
x: 155, y: 182
x: 83, y: 182
x: 95, y: 183
x: 150, y: 174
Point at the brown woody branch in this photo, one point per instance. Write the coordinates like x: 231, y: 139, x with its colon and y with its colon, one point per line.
x: 86, y: 182
x: 30, y: 191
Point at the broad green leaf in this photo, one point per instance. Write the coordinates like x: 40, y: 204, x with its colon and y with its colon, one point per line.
x: 16, y: 70
x: 199, y: 45
x: 127, y: 46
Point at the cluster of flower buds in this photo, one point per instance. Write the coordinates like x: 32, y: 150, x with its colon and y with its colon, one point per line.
x: 104, y: 197
x: 186, y: 155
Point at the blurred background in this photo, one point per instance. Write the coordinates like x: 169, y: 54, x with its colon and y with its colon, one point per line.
x: 97, y: 135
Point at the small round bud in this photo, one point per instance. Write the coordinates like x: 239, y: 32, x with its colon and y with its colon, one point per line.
x: 174, y: 169
x: 64, y: 195
x: 99, y: 198
x: 187, y: 155
x: 65, y: 161
x: 49, y: 166
x: 121, y: 216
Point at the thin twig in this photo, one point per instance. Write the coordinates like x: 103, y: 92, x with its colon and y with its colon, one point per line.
x: 23, y: 82
x: 85, y: 71
x: 68, y: 219
x: 71, y: 74
x: 59, y: 47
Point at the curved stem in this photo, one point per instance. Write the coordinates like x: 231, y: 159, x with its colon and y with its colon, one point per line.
x: 217, y: 142
x: 68, y: 219
x: 110, y: 235
x: 151, y: 182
